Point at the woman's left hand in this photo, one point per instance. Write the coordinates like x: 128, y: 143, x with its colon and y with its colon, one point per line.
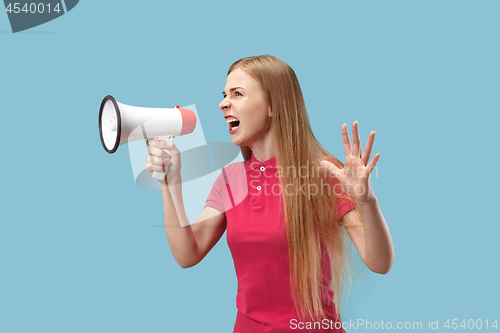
x: 355, y: 176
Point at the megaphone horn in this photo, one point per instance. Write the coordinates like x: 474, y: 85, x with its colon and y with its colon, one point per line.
x: 118, y: 123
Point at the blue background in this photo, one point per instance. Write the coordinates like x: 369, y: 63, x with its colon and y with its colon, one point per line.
x: 82, y: 247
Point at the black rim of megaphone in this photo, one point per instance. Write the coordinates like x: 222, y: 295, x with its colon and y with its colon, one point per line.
x: 118, y: 124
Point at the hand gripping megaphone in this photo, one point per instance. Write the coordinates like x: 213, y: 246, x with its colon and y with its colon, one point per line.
x: 120, y: 123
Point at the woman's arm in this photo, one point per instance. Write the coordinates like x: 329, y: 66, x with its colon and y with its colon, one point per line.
x: 369, y: 232
x: 189, y: 244
x: 365, y: 225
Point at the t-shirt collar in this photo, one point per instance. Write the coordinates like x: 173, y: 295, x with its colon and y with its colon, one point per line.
x: 254, y: 163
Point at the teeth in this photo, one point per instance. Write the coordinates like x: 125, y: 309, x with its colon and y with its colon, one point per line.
x: 232, y: 128
x: 230, y: 120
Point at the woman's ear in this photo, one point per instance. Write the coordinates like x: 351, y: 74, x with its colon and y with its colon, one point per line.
x: 270, y: 113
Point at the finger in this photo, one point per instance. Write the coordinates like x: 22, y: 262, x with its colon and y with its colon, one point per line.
x: 356, y: 142
x: 158, y: 168
x: 153, y: 167
x: 168, y: 153
x: 373, y: 163
x: 153, y: 143
x: 159, y: 143
x: 345, y: 139
x: 158, y: 152
x: 368, y: 148
x: 154, y: 160
x: 165, y: 144
x: 332, y: 169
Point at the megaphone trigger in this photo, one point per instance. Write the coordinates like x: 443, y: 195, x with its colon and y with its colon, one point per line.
x: 161, y: 175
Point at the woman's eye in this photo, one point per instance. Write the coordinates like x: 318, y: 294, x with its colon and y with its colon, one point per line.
x: 236, y: 92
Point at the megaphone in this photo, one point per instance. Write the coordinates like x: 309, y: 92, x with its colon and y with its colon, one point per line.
x: 120, y: 123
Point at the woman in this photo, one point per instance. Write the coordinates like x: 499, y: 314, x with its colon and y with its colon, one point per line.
x: 286, y: 208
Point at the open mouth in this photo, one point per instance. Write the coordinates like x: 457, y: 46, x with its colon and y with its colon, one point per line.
x: 233, y: 123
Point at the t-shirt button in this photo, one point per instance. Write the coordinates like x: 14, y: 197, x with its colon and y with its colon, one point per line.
x: 258, y: 188
x: 262, y: 168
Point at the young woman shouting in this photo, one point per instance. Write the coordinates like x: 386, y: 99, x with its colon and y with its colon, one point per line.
x: 288, y: 208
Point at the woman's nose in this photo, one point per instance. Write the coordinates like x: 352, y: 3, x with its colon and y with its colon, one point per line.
x: 224, y: 104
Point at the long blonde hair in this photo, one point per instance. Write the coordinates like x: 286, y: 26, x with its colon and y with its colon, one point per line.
x: 313, y: 230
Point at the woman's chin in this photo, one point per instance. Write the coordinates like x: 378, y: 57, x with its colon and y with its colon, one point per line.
x: 236, y: 141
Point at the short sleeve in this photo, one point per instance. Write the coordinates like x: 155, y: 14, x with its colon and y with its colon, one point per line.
x: 214, y: 199
x: 344, y: 206
x: 229, y: 189
x: 345, y: 201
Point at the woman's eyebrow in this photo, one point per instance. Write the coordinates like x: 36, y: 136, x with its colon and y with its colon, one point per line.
x: 224, y: 92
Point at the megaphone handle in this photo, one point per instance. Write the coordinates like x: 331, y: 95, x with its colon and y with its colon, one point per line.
x: 161, y: 175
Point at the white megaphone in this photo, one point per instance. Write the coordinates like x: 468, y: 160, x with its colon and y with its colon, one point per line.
x: 120, y: 123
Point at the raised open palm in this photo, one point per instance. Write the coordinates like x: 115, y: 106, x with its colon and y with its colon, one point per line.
x: 355, y: 176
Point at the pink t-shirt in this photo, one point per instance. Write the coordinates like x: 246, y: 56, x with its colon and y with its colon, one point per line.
x: 249, y: 195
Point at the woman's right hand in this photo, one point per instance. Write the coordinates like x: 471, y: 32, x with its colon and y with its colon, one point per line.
x: 156, y: 160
